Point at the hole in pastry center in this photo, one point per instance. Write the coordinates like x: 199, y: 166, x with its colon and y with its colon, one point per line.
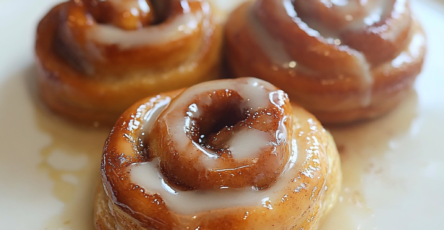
x: 162, y: 9
x: 215, y: 126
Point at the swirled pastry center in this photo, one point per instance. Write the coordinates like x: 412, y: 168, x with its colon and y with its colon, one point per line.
x: 227, y: 154
x: 221, y: 145
x: 335, y: 38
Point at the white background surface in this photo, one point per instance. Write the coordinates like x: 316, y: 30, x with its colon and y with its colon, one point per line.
x: 393, y: 167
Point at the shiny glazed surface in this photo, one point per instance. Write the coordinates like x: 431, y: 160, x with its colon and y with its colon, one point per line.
x: 96, y: 58
x: 342, y: 60
x: 393, y: 166
x: 186, y: 160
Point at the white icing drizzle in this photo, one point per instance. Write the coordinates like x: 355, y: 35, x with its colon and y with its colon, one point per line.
x: 335, y: 2
x: 370, y: 12
x: 147, y: 176
x: 252, y: 90
x: 400, y: 22
x: 366, y: 78
x: 277, y: 53
x: 151, y: 117
x: 271, y: 46
x: 255, y: 92
x: 179, y: 27
x: 139, y: 126
x: 131, y: 5
x: 248, y: 143
x: 413, y: 51
x: 373, y: 12
x: 243, y: 145
x: 208, y: 160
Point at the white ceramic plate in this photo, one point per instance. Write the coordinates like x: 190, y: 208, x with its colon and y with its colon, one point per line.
x: 393, y: 167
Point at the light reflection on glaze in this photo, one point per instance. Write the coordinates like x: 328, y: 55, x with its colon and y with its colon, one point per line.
x: 254, y: 92
x: 358, y: 14
x: 270, y: 45
x: 147, y: 176
x: 413, y: 51
x: 398, y: 21
x: 244, y: 144
x: 131, y: 5
x: 152, y: 115
x: 386, y: 20
x: 254, y: 145
x: 141, y: 123
x: 276, y: 51
x: 138, y: 180
x: 180, y: 27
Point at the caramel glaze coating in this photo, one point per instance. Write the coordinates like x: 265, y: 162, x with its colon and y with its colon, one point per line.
x: 96, y: 58
x: 122, y: 17
x: 185, y: 171
x: 299, y: 194
x: 339, y: 70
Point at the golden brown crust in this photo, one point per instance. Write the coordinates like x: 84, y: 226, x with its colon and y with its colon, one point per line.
x: 107, y: 215
x: 304, y: 192
x: 87, y: 88
x: 323, y: 78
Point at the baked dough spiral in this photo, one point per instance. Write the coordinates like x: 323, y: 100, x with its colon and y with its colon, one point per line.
x: 226, y: 154
x: 342, y: 60
x: 97, y: 58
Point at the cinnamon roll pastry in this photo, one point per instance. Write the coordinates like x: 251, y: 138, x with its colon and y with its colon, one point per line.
x: 97, y: 58
x: 226, y: 154
x: 342, y: 60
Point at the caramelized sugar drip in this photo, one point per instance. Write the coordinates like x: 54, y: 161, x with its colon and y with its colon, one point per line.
x: 125, y: 14
x: 227, y: 144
